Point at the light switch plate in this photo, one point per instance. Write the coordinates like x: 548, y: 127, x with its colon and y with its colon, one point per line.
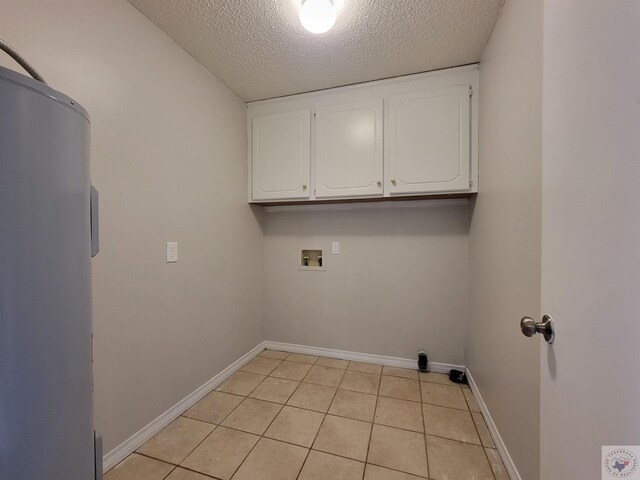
x: 335, y: 248
x: 172, y: 252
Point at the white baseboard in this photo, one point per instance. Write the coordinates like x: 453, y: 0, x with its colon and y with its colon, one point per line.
x: 136, y: 440
x: 495, y: 434
x: 359, y: 357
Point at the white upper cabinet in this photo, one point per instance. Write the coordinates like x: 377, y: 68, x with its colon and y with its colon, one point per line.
x: 429, y: 141
x: 404, y: 137
x: 349, y: 150
x: 281, y: 155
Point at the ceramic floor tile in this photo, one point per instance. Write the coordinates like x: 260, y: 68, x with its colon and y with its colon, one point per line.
x: 327, y: 376
x: 496, y: 464
x: 401, y: 388
x: 399, y: 413
x: 399, y: 450
x: 294, y: 425
x: 373, y: 472
x: 360, y: 382
x: 275, y: 390
x: 253, y: 416
x: 138, y: 467
x: 312, y: 397
x: 221, y: 453
x: 177, y: 440
x: 322, y: 466
x: 333, y: 362
x: 272, y: 460
x: 182, y: 474
x: 274, y: 354
x: 343, y: 436
x: 483, y: 431
x: 299, y: 357
x: 449, y: 460
x: 356, y: 405
x: 435, y: 378
x: 365, y: 367
x: 260, y: 365
x: 401, y: 372
x: 450, y: 423
x: 471, y: 401
x: 443, y: 395
x: 291, y: 370
x: 214, y: 407
x: 241, y: 383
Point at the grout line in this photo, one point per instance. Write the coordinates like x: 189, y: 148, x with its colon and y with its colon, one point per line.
x: 199, y: 473
x: 304, y: 462
x: 261, y: 436
x: 175, y: 467
x: 320, y: 428
x: 271, y: 422
x: 140, y: 454
x: 216, y: 425
x: 167, y: 475
x: 424, y: 426
x: 486, y: 428
x: 399, y: 471
x: 373, y: 422
x: 220, y: 425
x: 229, y: 414
x: 478, y: 432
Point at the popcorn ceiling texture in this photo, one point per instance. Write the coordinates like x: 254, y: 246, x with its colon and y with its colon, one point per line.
x: 259, y: 49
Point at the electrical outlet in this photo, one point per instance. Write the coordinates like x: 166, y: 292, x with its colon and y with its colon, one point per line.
x: 335, y: 248
x: 172, y: 252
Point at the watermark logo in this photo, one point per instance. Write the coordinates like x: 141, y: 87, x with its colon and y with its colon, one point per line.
x: 620, y: 462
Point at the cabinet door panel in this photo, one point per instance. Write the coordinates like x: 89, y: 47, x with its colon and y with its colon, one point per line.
x: 429, y: 142
x: 349, y: 150
x: 280, y: 155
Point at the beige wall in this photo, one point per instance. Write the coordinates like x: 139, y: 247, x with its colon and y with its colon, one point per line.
x: 399, y: 284
x: 505, y: 232
x: 169, y: 158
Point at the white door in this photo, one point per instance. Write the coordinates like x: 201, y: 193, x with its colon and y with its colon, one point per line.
x: 349, y: 150
x: 428, y: 142
x: 590, y: 388
x: 281, y: 151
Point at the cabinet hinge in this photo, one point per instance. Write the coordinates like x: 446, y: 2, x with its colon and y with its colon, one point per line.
x: 470, y: 182
x: 470, y: 91
x: 314, y: 115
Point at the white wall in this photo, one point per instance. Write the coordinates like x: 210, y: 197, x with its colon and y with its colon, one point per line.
x: 505, y: 232
x: 398, y: 286
x: 169, y: 158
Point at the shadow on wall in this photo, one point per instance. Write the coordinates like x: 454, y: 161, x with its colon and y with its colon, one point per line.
x: 259, y: 214
x: 361, y: 222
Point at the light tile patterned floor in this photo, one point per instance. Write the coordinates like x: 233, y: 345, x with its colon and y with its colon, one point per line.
x: 299, y: 417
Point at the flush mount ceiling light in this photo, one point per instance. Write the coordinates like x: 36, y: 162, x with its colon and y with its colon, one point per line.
x: 318, y: 16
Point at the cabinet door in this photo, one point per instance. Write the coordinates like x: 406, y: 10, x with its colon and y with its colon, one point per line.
x: 280, y: 155
x: 349, y: 150
x: 428, y: 137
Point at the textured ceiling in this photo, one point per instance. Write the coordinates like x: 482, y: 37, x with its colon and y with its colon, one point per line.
x: 259, y: 49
